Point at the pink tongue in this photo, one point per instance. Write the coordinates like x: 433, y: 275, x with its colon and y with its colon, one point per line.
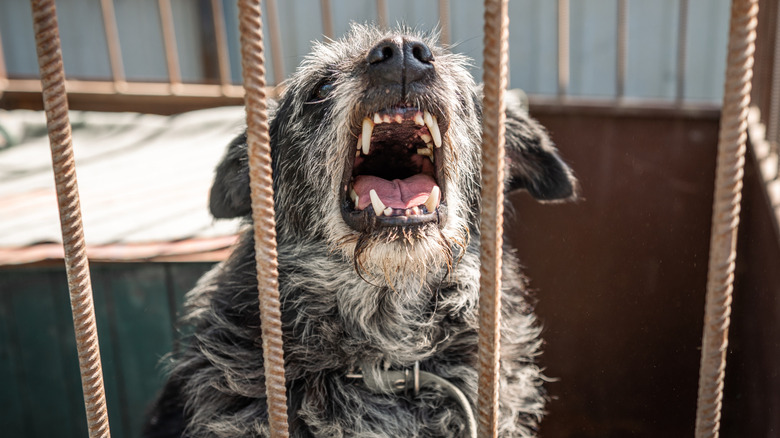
x: 398, y: 193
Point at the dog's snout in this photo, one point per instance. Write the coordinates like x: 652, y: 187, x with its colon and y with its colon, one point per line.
x: 399, y: 61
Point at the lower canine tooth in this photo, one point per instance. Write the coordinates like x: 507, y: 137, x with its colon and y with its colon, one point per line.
x: 379, y: 207
x: 433, y: 200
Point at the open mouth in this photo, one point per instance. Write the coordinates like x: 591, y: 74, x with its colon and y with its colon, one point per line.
x: 394, y: 176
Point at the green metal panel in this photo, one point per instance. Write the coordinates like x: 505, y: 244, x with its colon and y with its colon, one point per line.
x: 40, y: 384
x: 40, y: 365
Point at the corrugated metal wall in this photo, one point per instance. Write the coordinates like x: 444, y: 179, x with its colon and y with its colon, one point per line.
x: 651, y: 43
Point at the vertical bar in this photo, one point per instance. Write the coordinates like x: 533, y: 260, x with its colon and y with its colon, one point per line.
x: 169, y: 40
x: 276, y: 41
x: 112, y: 43
x: 55, y: 102
x: 261, y: 187
x: 327, y: 19
x: 622, y: 48
x: 3, y: 71
x: 220, y: 35
x: 381, y: 13
x: 563, y: 48
x: 725, y: 215
x: 682, y: 40
x: 773, y: 131
x: 496, y: 49
x: 444, y: 21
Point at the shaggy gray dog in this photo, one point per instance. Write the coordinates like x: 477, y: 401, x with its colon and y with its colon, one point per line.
x: 376, y: 165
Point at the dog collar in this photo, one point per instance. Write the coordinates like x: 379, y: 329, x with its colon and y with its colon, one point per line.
x: 410, y: 380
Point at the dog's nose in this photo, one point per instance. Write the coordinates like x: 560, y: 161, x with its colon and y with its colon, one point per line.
x: 400, y: 61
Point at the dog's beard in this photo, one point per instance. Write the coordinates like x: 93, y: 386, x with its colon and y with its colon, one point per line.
x: 399, y: 257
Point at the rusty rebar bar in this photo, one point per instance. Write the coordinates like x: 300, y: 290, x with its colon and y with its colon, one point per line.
x: 261, y: 185
x: 55, y: 103
x: 773, y: 116
x: 491, y: 228
x: 725, y: 215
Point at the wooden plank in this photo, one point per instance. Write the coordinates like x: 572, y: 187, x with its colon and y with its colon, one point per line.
x: 44, y: 393
x: 142, y: 329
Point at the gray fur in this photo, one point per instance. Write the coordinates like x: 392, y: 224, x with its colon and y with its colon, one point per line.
x: 414, y: 299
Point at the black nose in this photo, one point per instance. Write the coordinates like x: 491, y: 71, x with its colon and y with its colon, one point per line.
x: 399, y: 61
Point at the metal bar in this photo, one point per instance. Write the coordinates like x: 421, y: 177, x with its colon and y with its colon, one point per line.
x: 261, y: 186
x: 381, y: 13
x: 112, y: 43
x: 563, y: 48
x: 622, y: 48
x: 444, y: 21
x: 773, y: 130
x: 276, y: 41
x: 725, y: 215
x: 496, y: 49
x: 682, y: 40
x: 3, y: 71
x: 220, y: 35
x: 169, y: 40
x: 327, y: 19
x: 55, y: 101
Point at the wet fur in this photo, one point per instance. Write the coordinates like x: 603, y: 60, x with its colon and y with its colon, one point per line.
x: 378, y: 298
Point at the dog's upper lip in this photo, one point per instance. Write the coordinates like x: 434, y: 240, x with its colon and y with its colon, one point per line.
x: 394, y: 177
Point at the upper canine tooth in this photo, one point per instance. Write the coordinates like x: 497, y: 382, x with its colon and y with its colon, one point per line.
x: 368, y: 129
x: 418, y: 118
x: 433, y: 200
x: 433, y: 127
x: 377, y: 119
x: 379, y: 206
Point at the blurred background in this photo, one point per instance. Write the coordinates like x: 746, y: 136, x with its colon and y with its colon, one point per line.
x: 629, y: 90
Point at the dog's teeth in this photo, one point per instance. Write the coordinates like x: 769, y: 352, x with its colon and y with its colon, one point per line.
x: 386, y: 119
x: 426, y: 138
x: 425, y: 151
x: 379, y: 207
x: 388, y: 211
x: 433, y: 127
x: 360, y: 142
x: 353, y: 194
x: 398, y: 118
x: 368, y: 129
x: 377, y: 119
x: 433, y: 200
x: 418, y: 118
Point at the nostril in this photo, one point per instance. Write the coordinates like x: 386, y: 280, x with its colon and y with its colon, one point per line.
x: 380, y: 53
x: 422, y: 53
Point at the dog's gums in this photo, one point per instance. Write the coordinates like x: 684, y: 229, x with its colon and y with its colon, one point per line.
x: 375, y: 146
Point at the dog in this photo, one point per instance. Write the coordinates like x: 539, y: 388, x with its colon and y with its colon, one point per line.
x: 375, y: 146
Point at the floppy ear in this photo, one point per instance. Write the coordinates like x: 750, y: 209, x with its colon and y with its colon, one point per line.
x: 532, y: 161
x: 230, y: 195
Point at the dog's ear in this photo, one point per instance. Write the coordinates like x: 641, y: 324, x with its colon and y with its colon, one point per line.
x: 230, y: 196
x: 532, y: 162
